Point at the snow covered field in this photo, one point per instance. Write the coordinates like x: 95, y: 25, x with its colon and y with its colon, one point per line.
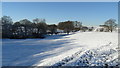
x: 78, y: 49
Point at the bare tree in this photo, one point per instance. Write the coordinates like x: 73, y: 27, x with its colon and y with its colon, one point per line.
x: 27, y: 26
x: 42, y: 27
x: 77, y: 25
x: 37, y: 20
x: 6, y: 22
x: 52, y: 28
x: 111, y: 24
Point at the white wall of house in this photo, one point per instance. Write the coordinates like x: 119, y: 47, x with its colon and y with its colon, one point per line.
x: 98, y: 29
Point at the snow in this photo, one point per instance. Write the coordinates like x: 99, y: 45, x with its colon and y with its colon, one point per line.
x: 76, y: 49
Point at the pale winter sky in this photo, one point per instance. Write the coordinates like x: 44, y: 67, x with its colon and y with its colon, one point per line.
x: 89, y: 13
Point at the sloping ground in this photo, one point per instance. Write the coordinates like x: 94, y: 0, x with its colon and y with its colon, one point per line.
x: 93, y: 57
x: 79, y: 49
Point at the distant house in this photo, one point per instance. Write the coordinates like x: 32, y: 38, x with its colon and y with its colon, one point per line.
x: 102, y: 28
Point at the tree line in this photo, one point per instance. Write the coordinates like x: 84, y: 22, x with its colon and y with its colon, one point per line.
x: 35, y: 29
x: 38, y: 28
